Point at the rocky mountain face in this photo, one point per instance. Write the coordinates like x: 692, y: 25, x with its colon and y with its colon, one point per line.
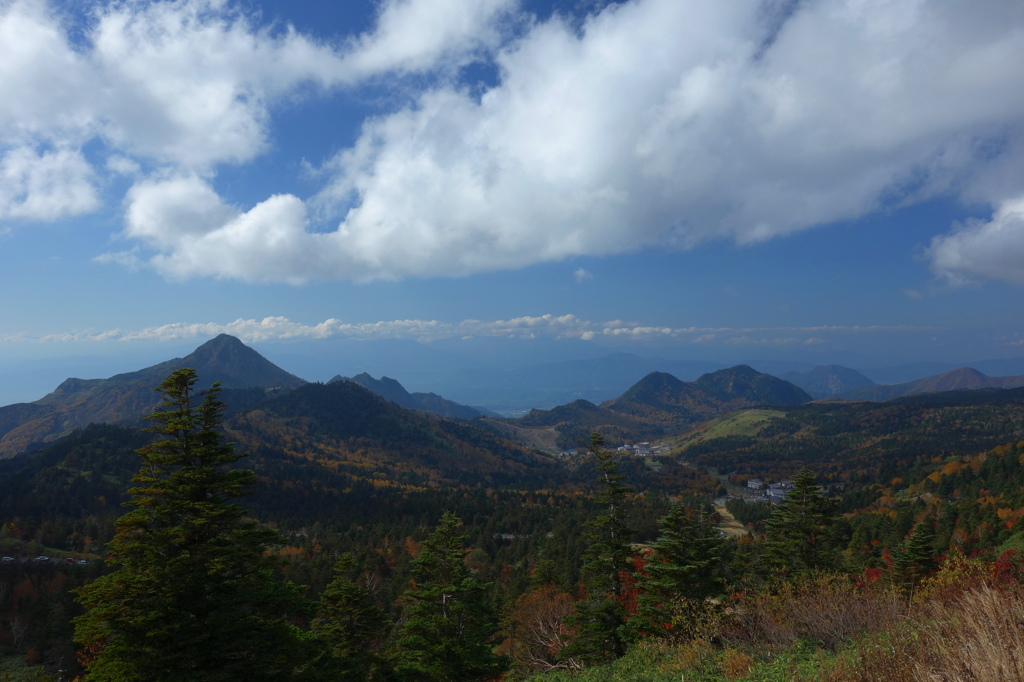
x: 126, y: 398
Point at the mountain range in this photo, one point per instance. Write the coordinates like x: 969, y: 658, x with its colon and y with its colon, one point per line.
x: 958, y: 379
x: 656, y: 405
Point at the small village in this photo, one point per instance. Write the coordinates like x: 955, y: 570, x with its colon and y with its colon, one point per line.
x: 772, y: 493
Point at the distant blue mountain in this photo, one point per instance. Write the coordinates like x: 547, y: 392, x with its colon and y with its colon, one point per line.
x: 389, y: 389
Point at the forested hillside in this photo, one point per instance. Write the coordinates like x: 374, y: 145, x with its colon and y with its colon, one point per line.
x: 568, y: 563
x: 861, y: 442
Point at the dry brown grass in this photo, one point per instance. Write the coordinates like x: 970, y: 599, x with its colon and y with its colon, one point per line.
x: 827, y: 609
x: 965, y: 623
x: 979, y: 636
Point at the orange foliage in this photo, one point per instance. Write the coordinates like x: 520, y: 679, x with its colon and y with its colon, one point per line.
x: 413, y: 547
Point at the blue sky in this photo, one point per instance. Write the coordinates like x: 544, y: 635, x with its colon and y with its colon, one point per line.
x: 715, y: 179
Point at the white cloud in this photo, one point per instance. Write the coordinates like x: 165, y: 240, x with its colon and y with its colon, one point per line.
x: 47, y: 90
x: 670, y: 123
x: 654, y: 122
x: 121, y: 165
x: 190, y: 84
x: 991, y: 249
x: 197, y: 234
x: 184, y: 81
x: 582, y: 275
x: 416, y: 35
x: 526, y: 327
x: 45, y: 185
x: 190, y: 81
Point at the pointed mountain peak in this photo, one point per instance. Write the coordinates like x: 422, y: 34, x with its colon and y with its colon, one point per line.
x: 126, y: 398
x: 226, y: 359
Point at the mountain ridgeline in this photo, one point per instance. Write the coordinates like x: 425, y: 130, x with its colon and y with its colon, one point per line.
x: 660, y: 404
x: 392, y: 390
x: 126, y: 398
x: 958, y: 379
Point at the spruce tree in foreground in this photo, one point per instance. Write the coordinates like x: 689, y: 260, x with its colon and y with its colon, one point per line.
x: 348, y: 628
x: 684, y: 569
x: 449, y: 622
x: 916, y: 558
x: 195, y: 596
x: 597, y: 626
x: 798, y: 531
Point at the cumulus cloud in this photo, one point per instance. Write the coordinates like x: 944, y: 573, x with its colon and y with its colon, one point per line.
x: 187, y: 84
x: 192, y: 80
x: 416, y: 35
x: 45, y: 185
x: 991, y: 249
x: 664, y: 122
x: 197, y: 233
x: 648, y: 122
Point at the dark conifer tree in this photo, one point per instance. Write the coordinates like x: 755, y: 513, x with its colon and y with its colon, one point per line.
x: 449, y: 623
x: 798, y: 531
x: 597, y: 626
x: 348, y: 628
x: 685, y: 568
x: 916, y: 559
x: 195, y: 595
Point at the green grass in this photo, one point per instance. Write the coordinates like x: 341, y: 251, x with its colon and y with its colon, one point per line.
x: 743, y: 423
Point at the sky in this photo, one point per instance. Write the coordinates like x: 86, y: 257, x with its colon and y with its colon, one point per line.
x: 729, y: 179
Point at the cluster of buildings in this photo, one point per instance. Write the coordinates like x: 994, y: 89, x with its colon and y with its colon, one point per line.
x: 638, y: 450
x: 772, y: 493
x: 642, y: 449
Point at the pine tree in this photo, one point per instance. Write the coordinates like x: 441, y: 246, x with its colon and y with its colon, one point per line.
x: 195, y: 596
x: 798, y: 538
x: 600, y: 616
x: 916, y: 558
x: 348, y: 628
x: 684, y: 569
x: 449, y: 621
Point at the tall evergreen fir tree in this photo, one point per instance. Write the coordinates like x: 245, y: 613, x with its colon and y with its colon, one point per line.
x: 195, y: 596
x: 597, y: 626
x: 449, y: 622
x: 348, y: 629
x: 798, y: 531
x: 686, y: 567
x: 916, y: 558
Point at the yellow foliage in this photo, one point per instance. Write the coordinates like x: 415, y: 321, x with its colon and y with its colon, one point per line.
x: 735, y: 664
x: 951, y: 468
